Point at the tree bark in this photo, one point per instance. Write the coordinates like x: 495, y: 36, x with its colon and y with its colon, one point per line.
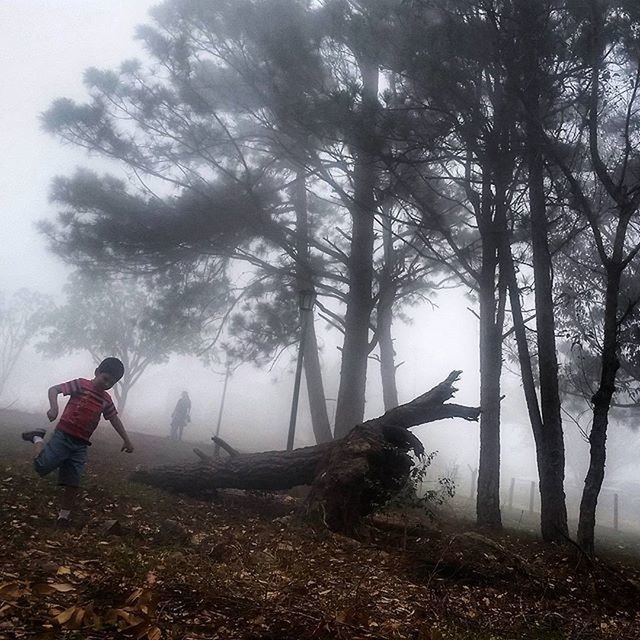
x: 349, y: 477
x: 386, y: 297
x: 387, y: 351
x: 547, y: 423
x: 601, y: 405
x: 315, y: 388
x: 311, y: 360
x: 553, y: 510
x: 121, y: 393
x: 355, y: 348
x: 491, y: 322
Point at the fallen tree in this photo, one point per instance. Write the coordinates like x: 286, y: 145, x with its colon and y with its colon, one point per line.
x: 348, y: 477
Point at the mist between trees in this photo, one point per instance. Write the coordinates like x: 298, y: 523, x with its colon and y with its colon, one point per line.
x: 374, y: 153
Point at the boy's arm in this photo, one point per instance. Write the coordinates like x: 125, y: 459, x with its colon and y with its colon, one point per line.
x: 53, y: 393
x: 119, y: 427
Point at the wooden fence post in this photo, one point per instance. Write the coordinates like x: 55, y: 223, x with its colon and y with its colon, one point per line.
x: 512, y: 489
x: 532, y: 495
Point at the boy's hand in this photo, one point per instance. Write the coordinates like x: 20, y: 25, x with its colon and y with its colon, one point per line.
x: 127, y: 447
x: 52, y: 413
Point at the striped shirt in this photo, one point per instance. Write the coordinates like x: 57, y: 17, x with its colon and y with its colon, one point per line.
x: 86, y: 404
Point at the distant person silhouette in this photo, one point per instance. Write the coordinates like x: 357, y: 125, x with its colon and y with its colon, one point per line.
x: 181, y: 416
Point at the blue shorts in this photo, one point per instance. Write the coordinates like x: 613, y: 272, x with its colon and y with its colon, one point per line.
x: 65, y: 453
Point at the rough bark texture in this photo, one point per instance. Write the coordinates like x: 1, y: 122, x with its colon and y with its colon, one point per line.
x: 550, y: 438
x: 491, y: 322
x: 349, y: 477
x: 386, y: 297
x: 553, y: 516
x: 601, y: 405
x: 315, y: 388
x: 304, y: 282
x: 355, y: 349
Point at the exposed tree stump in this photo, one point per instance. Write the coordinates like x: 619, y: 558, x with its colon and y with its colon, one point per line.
x: 349, y: 477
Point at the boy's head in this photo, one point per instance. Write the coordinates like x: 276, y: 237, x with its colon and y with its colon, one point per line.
x: 109, y: 371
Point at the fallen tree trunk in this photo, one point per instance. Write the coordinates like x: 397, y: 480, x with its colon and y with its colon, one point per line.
x: 348, y: 476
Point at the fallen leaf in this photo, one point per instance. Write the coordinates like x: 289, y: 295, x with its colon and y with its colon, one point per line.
x: 154, y: 633
x: 10, y: 590
x: 43, y: 589
x: 65, y: 616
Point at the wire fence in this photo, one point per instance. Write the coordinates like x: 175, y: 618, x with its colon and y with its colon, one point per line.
x: 618, y: 508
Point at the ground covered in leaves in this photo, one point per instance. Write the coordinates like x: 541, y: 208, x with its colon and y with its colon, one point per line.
x: 139, y: 563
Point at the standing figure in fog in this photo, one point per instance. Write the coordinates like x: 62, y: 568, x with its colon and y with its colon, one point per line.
x: 67, y: 448
x: 181, y: 416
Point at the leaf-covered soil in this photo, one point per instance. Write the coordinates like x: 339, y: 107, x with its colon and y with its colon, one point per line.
x: 139, y: 563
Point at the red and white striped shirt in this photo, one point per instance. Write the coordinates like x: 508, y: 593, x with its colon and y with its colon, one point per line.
x: 86, y: 404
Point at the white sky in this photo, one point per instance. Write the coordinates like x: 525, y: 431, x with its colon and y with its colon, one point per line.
x: 44, y: 47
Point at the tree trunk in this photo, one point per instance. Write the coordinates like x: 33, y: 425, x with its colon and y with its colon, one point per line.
x: 551, y: 455
x: 491, y: 321
x: 355, y: 348
x: 488, y: 498
x: 601, y: 404
x: 349, y: 477
x: 121, y: 393
x: 548, y: 434
x: 311, y: 360
x: 553, y: 518
x: 387, y: 352
x: 386, y: 297
x: 315, y: 388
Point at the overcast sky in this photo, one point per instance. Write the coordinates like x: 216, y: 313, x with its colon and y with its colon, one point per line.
x: 45, y: 46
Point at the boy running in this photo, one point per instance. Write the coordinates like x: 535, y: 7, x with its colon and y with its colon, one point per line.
x: 67, y: 448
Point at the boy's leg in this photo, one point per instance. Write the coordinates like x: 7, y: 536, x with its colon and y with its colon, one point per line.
x: 67, y: 501
x: 69, y: 477
x: 47, y: 456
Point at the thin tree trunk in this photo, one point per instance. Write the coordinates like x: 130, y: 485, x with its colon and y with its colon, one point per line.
x: 386, y: 297
x: 491, y: 321
x: 355, y: 348
x: 121, y: 393
x: 601, y: 404
x: 488, y: 498
x: 552, y: 514
x: 315, y: 388
x: 311, y: 360
x: 387, y: 352
x: 552, y: 497
x: 546, y: 418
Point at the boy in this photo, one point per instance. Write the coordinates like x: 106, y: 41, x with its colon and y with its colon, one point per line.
x: 67, y: 448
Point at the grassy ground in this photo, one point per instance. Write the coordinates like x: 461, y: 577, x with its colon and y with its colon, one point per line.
x: 140, y: 563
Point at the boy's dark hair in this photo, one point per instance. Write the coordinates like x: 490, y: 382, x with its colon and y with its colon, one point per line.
x: 113, y: 367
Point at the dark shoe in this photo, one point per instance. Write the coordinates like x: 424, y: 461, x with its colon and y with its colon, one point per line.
x: 30, y: 435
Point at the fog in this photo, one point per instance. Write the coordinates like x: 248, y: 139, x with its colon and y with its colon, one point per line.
x: 45, y: 47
